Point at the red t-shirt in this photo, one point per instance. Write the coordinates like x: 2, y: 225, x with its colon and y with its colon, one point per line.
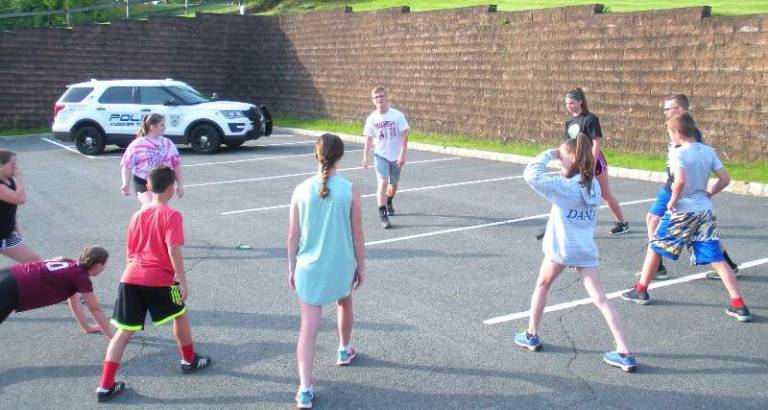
x: 46, y: 283
x: 150, y: 232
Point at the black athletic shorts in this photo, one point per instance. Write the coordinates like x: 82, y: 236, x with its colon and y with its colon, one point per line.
x: 133, y: 301
x: 9, y: 294
x: 139, y: 184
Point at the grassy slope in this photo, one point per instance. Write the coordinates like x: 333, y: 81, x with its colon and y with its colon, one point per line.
x: 719, y: 7
x: 754, y: 172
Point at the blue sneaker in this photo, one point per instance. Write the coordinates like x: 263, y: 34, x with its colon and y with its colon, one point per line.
x: 304, y: 399
x: 627, y: 363
x: 345, y: 357
x: 529, y: 341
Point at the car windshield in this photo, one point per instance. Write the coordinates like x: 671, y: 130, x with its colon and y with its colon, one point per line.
x: 188, y: 94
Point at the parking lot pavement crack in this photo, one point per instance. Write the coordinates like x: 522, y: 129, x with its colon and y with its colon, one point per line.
x: 575, y: 354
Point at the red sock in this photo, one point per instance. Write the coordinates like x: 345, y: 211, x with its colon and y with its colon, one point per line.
x: 108, y: 374
x: 640, y: 287
x: 187, y: 353
x: 738, y: 303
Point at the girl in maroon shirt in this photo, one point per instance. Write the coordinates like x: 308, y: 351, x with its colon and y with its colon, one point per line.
x: 34, y: 285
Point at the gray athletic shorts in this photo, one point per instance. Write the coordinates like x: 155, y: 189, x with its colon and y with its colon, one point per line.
x: 386, y: 169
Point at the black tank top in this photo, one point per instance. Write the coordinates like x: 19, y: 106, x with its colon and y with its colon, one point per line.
x: 7, y: 213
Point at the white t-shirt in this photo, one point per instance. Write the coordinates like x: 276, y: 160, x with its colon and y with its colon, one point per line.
x: 698, y: 161
x: 385, y: 129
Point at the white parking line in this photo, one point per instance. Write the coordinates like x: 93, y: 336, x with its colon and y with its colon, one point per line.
x: 400, y: 191
x: 237, y: 181
x: 235, y: 161
x: 70, y: 148
x: 486, y: 225
x: 614, y: 295
x: 285, y: 143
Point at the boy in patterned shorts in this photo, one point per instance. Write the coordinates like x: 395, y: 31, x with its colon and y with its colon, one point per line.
x: 690, y: 220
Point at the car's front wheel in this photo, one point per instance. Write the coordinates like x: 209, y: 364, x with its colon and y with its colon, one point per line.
x: 89, y: 140
x: 205, y: 139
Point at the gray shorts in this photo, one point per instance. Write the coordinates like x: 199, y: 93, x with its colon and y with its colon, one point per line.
x: 386, y: 169
x: 11, y: 242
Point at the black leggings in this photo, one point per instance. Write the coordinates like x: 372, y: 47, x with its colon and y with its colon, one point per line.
x: 9, y: 294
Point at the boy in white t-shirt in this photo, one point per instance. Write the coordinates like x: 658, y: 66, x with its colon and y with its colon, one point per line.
x: 389, y: 128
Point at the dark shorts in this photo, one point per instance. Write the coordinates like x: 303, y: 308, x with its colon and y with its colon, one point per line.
x: 601, y: 165
x: 659, y: 207
x: 133, y: 301
x: 139, y: 184
x: 9, y: 294
x: 11, y: 242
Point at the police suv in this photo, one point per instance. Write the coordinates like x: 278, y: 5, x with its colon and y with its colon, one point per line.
x: 96, y: 113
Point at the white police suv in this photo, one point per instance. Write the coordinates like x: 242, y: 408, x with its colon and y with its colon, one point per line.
x: 97, y: 113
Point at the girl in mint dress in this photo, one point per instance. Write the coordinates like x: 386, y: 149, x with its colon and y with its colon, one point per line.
x: 326, y: 258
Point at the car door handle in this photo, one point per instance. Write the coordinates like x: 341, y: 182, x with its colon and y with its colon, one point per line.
x: 146, y: 110
x: 101, y: 109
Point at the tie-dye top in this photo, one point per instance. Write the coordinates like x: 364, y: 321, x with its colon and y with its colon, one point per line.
x: 146, y: 153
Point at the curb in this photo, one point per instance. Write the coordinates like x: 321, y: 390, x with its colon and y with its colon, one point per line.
x: 736, y: 187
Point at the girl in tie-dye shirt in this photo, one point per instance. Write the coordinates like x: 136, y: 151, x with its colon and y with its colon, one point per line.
x: 149, y: 150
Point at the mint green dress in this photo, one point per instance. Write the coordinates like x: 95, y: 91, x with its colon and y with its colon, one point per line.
x: 325, y: 263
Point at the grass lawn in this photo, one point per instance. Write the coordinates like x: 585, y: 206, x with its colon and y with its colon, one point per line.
x: 750, y: 172
x: 719, y: 7
x: 12, y: 132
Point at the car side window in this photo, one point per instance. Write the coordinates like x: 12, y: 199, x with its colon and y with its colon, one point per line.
x: 154, y: 95
x: 117, y: 95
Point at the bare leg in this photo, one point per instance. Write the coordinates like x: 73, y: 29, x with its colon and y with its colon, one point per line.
x: 182, y: 331
x: 345, y: 320
x: 305, y: 348
x: 729, y: 280
x: 381, y: 192
x: 652, y: 223
x: 650, y: 266
x: 117, y: 345
x: 21, y: 254
x: 609, y: 198
x: 548, y: 272
x: 597, y: 294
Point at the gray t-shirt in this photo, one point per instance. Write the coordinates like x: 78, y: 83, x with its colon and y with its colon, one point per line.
x: 698, y: 161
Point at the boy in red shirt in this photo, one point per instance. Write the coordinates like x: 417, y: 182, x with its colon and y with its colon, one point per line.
x: 153, y: 281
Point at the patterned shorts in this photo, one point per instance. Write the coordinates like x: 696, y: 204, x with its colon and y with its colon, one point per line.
x: 11, y: 241
x: 696, y: 231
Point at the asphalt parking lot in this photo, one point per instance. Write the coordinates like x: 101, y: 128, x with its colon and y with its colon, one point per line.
x: 446, y: 289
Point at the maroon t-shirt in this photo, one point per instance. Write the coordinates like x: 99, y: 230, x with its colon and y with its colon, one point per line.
x: 45, y: 283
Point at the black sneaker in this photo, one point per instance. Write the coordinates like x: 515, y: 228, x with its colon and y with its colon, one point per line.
x: 620, y: 228
x: 390, y: 210
x: 198, y: 363
x: 661, y: 273
x: 641, y: 298
x: 540, y: 235
x: 384, y: 219
x: 104, y: 396
x: 741, y: 314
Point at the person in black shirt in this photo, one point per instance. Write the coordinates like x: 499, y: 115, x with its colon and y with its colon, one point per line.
x: 12, y: 194
x: 581, y: 120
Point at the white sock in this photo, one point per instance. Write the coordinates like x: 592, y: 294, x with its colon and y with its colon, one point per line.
x: 344, y: 348
x: 303, y: 388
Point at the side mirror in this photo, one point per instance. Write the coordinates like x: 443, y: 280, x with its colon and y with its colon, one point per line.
x: 170, y: 102
x: 214, y: 96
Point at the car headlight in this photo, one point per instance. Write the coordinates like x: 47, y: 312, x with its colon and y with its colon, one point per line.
x: 232, y: 114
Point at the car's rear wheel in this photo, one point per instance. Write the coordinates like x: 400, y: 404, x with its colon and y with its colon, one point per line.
x: 205, y: 139
x: 89, y: 140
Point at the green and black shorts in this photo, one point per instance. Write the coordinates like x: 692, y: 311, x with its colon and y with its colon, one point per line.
x: 133, y: 301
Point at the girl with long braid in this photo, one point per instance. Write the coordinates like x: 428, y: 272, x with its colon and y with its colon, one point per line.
x: 326, y: 257
x: 569, y: 239
x: 149, y: 150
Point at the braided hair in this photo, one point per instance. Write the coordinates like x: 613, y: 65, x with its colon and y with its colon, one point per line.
x: 328, y: 150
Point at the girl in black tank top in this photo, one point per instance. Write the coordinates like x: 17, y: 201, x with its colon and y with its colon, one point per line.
x: 12, y: 194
